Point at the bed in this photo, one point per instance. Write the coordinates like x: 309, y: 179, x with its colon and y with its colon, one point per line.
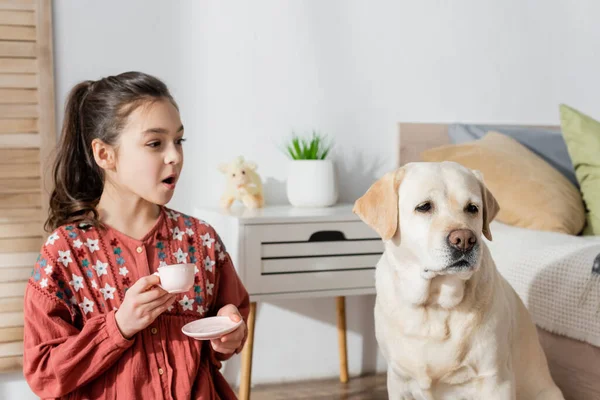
x: 552, y: 274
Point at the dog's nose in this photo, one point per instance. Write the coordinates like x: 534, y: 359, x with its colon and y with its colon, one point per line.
x: 462, y: 239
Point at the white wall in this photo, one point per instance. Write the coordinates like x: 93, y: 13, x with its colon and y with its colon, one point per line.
x: 247, y: 74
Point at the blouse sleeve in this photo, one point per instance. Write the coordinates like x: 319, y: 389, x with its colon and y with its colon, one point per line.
x: 230, y: 289
x: 59, y: 357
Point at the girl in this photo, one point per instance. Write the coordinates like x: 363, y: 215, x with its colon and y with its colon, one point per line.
x: 96, y: 323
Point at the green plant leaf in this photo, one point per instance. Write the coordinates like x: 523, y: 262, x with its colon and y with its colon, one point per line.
x: 314, y: 147
x: 297, y: 146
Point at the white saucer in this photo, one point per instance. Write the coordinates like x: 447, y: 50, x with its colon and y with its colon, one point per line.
x: 210, y: 327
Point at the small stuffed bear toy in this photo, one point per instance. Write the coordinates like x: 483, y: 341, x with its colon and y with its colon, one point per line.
x: 243, y: 184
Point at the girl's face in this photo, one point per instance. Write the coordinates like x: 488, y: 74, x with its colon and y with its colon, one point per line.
x: 149, y: 153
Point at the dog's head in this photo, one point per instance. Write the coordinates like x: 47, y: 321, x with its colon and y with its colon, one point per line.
x: 436, y: 213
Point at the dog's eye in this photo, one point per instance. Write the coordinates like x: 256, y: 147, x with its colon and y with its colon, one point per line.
x: 424, y: 207
x: 472, y: 209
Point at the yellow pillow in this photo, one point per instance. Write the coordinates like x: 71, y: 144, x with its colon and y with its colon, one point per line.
x: 531, y: 193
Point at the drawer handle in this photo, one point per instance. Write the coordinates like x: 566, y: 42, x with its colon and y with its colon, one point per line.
x: 327, y: 236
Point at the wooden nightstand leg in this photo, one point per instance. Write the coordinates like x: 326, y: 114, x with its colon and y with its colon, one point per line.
x: 341, y: 326
x: 246, y: 375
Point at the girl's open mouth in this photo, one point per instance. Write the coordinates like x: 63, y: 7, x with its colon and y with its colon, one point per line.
x: 169, y: 182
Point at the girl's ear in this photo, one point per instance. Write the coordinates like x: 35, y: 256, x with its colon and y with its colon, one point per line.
x: 104, y: 154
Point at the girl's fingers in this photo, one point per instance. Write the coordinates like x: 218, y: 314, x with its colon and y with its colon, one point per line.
x: 159, y: 310
x: 161, y: 303
x: 225, y: 348
x: 150, y: 296
x: 145, y: 283
x: 230, y: 343
x: 235, y: 336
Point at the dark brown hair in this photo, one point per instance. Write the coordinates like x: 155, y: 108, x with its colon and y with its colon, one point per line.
x: 93, y: 110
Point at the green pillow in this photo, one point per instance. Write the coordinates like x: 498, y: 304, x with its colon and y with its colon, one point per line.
x: 582, y: 135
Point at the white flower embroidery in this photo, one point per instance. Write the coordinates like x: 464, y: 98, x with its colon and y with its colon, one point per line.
x: 48, y: 269
x: 52, y: 238
x: 87, y: 305
x: 200, y: 310
x: 162, y: 264
x: 207, y: 240
x: 123, y: 271
x: 44, y: 283
x: 180, y: 256
x: 221, y: 256
x: 170, y: 308
x: 77, y: 282
x: 189, y: 231
x: 209, y: 287
x: 218, y: 246
x: 209, y: 264
x: 92, y: 245
x: 64, y: 257
x: 173, y: 215
x: 177, y: 234
x: 187, y: 304
x: 77, y: 243
x: 108, y: 291
x: 100, y: 268
x: 94, y: 284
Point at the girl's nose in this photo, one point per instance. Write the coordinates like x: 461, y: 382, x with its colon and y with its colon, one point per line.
x: 173, y: 156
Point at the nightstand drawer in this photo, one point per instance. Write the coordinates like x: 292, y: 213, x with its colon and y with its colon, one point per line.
x: 315, y: 264
x: 330, y: 248
x: 314, y: 232
x: 310, y: 256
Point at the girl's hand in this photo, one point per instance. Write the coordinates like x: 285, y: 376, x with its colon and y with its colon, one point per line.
x: 143, y: 303
x: 232, y: 342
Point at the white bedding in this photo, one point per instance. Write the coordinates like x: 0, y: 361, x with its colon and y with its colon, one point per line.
x: 552, y: 273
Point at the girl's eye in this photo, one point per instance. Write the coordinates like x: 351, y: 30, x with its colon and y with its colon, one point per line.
x: 180, y: 141
x: 153, y: 144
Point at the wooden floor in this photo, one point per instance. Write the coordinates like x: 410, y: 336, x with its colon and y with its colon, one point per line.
x: 370, y: 387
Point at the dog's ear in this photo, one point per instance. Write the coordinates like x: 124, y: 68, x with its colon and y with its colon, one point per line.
x: 490, y: 205
x: 378, y: 207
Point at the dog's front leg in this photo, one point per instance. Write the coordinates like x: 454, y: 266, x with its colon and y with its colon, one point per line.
x: 398, y: 387
x: 401, y: 388
x: 499, y: 387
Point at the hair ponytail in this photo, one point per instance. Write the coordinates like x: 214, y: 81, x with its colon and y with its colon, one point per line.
x: 94, y: 110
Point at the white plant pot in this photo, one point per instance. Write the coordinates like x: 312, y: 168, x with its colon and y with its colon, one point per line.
x: 312, y: 183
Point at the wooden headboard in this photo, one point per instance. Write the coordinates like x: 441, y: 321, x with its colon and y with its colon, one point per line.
x: 414, y: 138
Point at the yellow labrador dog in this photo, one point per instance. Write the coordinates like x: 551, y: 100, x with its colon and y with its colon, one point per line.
x: 449, y: 325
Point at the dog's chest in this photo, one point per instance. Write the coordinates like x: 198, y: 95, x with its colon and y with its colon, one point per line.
x: 420, y: 345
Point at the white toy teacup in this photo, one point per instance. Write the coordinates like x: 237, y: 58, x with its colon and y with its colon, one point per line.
x: 176, y: 278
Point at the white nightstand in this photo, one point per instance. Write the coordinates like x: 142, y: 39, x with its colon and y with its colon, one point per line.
x: 283, y: 252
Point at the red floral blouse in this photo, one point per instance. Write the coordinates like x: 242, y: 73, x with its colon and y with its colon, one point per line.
x: 73, y: 347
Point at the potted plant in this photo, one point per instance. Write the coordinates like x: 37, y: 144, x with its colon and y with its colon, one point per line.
x: 311, y: 178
